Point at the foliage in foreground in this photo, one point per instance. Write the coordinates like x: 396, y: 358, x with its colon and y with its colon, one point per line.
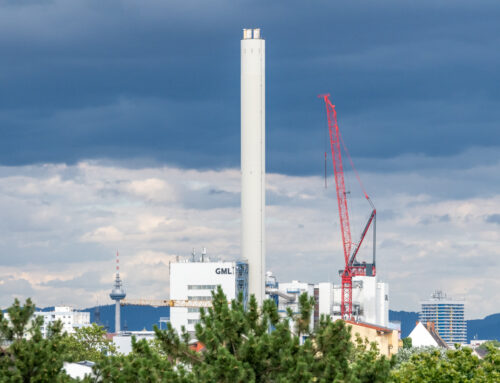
x: 239, y: 348
x: 25, y: 355
x: 88, y: 343
x: 457, y: 366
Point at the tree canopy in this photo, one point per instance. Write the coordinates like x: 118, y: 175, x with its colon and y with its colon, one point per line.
x: 240, y: 345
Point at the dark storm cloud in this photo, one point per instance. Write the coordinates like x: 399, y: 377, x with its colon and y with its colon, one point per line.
x: 493, y: 218
x: 159, y: 81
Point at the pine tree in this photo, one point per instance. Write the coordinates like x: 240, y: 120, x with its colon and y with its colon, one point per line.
x: 258, y: 346
x: 26, y: 356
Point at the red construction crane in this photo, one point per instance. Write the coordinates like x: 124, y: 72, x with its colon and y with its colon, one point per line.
x: 352, y: 267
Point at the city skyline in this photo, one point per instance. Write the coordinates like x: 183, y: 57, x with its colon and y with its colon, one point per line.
x: 122, y: 133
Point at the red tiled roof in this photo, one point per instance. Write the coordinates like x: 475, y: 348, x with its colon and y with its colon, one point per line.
x: 368, y: 325
x: 197, y: 346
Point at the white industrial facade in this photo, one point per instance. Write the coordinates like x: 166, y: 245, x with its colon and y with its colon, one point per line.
x: 325, y: 298
x: 293, y: 289
x: 69, y: 318
x: 370, y: 299
x: 195, y: 281
x: 288, y: 298
x: 123, y: 340
x: 253, y: 159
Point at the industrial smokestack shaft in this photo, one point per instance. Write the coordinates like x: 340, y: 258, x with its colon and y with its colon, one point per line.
x: 253, y: 161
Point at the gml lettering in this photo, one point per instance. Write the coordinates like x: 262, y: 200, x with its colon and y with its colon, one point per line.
x: 223, y: 270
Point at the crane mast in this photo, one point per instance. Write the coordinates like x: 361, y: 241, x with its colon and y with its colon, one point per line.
x: 352, y: 268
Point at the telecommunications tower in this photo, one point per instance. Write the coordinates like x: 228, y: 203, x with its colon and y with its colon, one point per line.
x: 117, y: 294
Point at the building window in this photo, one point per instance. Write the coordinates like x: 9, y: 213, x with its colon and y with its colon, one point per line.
x: 193, y: 310
x: 205, y: 298
x: 202, y: 287
x: 193, y: 321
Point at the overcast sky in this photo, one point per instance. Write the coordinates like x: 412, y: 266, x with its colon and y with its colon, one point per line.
x: 120, y: 130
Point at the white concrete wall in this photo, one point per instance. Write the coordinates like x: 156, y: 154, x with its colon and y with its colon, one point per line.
x: 366, y: 297
x: 420, y: 336
x: 325, y: 298
x: 123, y: 342
x: 382, y: 304
x: 370, y: 295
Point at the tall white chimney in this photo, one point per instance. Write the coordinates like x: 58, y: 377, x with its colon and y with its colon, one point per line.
x: 253, y: 159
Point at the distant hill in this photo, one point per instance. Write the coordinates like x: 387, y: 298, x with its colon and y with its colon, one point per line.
x: 487, y: 328
x: 135, y: 318
x: 408, y: 320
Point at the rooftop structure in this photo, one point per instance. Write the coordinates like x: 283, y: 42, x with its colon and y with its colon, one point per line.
x: 117, y: 294
x: 426, y: 335
x: 448, y: 316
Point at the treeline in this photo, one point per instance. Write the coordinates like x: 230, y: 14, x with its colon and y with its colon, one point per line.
x: 252, y: 345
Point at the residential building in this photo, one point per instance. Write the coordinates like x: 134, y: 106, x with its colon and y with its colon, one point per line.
x: 448, y: 316
x: 69, y: 318
x: 387, y: 339
x: 425, y: 335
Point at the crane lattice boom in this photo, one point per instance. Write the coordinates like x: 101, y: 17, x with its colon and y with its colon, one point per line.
x: 165, y: 303
x: 352, y: 268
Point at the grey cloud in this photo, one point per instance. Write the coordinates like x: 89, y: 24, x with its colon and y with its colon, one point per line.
x: 303, y: 235
x: 89, y: 281
x: 493, y: 218
x: 428, y: 220
x: 12, y: 287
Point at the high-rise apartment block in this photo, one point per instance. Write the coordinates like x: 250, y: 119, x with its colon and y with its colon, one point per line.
x: 447, y: 314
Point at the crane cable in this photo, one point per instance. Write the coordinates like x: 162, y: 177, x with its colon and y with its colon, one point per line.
x: 354, y: 168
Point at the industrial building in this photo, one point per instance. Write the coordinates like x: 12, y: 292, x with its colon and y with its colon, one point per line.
x: 370, y: 299
x: 69, y: 318
x: 287, y: 296
x: 360, y: 297
x: 123, y: 340
x: 448, y: 316
x: 194, y: 280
